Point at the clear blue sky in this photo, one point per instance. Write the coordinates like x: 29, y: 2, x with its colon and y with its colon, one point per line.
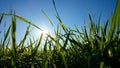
x: 72, y: 12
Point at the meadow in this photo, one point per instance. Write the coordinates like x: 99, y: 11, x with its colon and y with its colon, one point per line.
x: 95, y: 47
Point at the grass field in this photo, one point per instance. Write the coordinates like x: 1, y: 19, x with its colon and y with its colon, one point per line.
x: 95, y: 47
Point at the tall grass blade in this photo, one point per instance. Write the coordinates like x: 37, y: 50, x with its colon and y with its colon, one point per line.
x: 92, y: 25
x: 115, y: 21
x: 55, y: 8
x: 13, y: 41
x: 62, y: 25
x: 26, y: 34
x: 47, y: 17
x: 45, y: 53
x: 6, y: 35
x: 63, y: 59
x: 45, y: 46
x: 37, y: 45
x: 105, y: 28
x: 85, y: 32
x: 98, y: 26
x: 58, y: 17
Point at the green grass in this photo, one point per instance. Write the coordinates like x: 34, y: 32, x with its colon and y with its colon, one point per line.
x: 95, y: 47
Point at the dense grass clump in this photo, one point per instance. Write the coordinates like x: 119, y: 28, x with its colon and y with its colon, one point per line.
x: 95, y: 47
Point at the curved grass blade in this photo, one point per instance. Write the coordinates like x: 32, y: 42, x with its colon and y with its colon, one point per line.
x: 24, y: 20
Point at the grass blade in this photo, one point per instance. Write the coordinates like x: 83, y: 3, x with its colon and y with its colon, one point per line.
x: 58, y: 17
x: 92, y: 25
x: 55, y: 8
x: 47, y: 17
x: 13, y: 41
x: 6, y: 34
x: 1, y: 17
x: 26, y: 34
x: 115, y: 21
x: 63, y: 59
x: 24, y: 20
x: 37, y: 46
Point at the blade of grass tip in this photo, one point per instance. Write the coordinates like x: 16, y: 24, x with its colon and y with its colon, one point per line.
x: 62, y: 25
x: 1, y: 17
x: 6, y: 35
x: 92, y: 26
x: 117, y: 13
x: 45, y: 46
x: 37, y: 46
x: 105, y: 27
x: 58, y: 17
x: 57, y: 33
x: 86, y: 35
x: 47, y: 17
x: 13, y: 41
x: 115, y: 20
x: 55, y: 8
x: 99, y: 25
x: 8, y: 42
x: 26, y: 34
x: 35, y: 50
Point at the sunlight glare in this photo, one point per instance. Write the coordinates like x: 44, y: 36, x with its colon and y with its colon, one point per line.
x: 44, y: 32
